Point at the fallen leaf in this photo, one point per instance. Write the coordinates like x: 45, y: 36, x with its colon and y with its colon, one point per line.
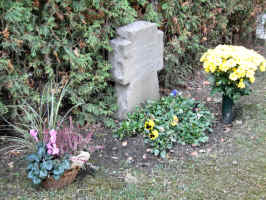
x: 234, y: 162
x: 76, y: 52
x: 129, y: 159
x: 203, y: 39
x: 202, y: 151
x: 239, y: 122
x: 148, y: 150
x: 124, y: 143
x: 11, y: 164
x: 209, y: 99
x: 227, y: 129
x: 14, y: 153
x: 194, y: 153
x: 131, y: 179
x: 206, y: 83
x: 114, y: 148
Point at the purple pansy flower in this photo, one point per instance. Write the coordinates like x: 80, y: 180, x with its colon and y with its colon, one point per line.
x: 175, y: 92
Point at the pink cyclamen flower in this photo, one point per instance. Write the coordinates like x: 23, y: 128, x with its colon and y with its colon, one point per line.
x: 53, y: 133
x: 51, y: 146
x: 52, y: 149
x: 53, y: 139
x: 55, y: 151
x: 34, y: 133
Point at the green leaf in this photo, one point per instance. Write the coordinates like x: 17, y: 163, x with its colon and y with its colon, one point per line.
x: 59, y: 170
x: 30, y: 166
x: 66, y: 164
x: 163, y: 154
x: 156, y: 152
x: 43, y: 173
x: 204, y: 139
x: 33, y: 157
x: 56, y: 177
x: 41, y: 152
x: 30, y: 174
x: 36, y: 180
x: 48, y: 164
x: 164, y: 6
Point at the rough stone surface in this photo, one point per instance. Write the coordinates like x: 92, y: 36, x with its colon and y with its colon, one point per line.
x: 136, y: 57
x: 261, y: 27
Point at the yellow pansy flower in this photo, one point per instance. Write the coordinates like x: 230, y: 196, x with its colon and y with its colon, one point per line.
x: 149, y: 125
x: 154, y: 134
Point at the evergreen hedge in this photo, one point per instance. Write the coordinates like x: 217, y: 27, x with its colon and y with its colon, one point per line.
x: 68, y: 41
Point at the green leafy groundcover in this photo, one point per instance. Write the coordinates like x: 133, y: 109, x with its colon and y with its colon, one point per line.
x: 168, y: 121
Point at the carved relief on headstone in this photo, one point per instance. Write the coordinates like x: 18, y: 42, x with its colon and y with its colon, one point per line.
x: 261, y: 26
x: 136, y: 58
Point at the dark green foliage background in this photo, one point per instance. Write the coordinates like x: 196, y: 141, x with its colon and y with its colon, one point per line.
x: 68, y: 41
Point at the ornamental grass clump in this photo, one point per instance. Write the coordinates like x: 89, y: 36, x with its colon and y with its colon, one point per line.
x: 168, y: 121
x: 232, y: 69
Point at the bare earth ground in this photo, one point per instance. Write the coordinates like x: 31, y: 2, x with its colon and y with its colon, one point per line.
x: 232, y: 165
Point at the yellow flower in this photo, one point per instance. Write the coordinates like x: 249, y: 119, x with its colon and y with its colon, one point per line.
x: 212, y: 68
x: 154, y: 134
x: 241, y: 84
x: 175, y: 120
x: 149, y: 124
x: 263, y: 66
x: 206, y: 67
x: 233, y: 76
x: 250, y: 73
x: 240, y: 72
x: 174, y: 123
x: 203, y: 57
x: 252, y: 79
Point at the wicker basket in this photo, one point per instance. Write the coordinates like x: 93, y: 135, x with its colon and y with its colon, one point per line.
x: 67, y: 178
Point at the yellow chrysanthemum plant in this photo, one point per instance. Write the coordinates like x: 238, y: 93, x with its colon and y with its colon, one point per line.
x: 232, y: 70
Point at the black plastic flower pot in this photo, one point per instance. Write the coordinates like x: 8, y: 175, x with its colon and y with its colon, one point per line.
x: 227, y: 110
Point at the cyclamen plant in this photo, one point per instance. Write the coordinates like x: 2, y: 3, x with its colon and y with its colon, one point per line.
x: 55, y: 154
x: 58, y: 145
x: 46, y: 162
